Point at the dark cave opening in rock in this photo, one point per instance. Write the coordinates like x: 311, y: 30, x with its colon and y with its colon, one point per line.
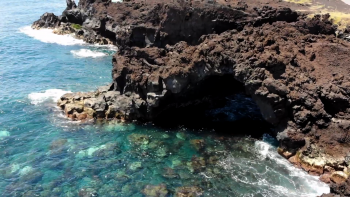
x: 217, y: 102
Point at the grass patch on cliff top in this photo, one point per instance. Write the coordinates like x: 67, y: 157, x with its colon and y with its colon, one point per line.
x: 340, y: 19
x: 300, y: 1
x: 76, y: 26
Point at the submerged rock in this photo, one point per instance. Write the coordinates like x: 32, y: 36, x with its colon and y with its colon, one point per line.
x: 162, y: 151
x: 155, y: 190
x: 25, y: 170
x: 104, y: 150
x: 109, y: 150
x: 57, y: 144
x: 138, y: 139
x: 197, y: 164
x: 29, y: 175
x: 169, y: 173
x: 122, y: 176
x: 88, y: 192
x: 15, y: 167
x: 127, y: 190
x: 198, y: 144
x: 135, y: 166
x: 181, y: 135
x: 188, y: 191
x: 176, y: 163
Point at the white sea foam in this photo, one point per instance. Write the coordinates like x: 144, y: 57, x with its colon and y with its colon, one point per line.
x: 292, y: 182
x: 87, y: 53
x: 47, y: 36
x: 316, y: 187
x: 263, y: 148
x: 51, y: 94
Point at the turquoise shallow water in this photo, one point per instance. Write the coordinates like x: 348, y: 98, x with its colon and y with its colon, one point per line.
x: 44, y: 154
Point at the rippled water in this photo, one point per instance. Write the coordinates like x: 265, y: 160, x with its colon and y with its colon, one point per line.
x: 44, y: 154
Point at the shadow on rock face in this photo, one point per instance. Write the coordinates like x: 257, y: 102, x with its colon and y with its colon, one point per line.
x: 219, y: 103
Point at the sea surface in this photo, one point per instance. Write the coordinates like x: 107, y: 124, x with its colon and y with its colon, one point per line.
x: 44, y: 154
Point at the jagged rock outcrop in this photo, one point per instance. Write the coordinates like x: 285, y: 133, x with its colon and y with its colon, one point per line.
x: 47, y: 20
x: 176, y: 58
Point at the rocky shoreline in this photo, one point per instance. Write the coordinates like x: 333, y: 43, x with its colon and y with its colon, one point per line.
x: 179, y: 58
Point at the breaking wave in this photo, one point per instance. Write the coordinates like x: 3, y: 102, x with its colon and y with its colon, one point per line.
x: 47, y: 36
x: 87, y: 53
x: 51, y: 94
x: 273, y: 173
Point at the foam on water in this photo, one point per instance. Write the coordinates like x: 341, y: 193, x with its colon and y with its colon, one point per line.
x: 51, y: 94
x: 277, y: 178
x: 318, y: 187
x: 263, y: 148
x: 82, y: 53
x: 47, y: 36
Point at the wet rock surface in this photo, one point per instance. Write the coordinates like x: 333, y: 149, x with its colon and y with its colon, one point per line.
x: 177, y: 58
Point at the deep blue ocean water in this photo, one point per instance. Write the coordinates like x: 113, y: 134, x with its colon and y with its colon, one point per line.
x: 44, y: 154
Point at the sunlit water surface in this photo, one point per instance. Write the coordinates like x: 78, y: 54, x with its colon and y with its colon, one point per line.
x: 44, y: 154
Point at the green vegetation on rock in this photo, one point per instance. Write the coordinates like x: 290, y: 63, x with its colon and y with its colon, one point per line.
x: 76, y: 26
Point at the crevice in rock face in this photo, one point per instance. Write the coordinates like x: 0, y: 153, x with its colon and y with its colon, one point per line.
x: 121, y: 81
x: 104, y: 32
x: 332, y: 107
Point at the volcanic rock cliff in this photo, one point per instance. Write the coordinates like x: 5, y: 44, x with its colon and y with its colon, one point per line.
x: 177, y: 58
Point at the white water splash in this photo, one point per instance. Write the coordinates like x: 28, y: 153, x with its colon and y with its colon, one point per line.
x: 273, y: 173
x: 47, y: 36
x: 87, y: 53
x: 263, y: 148
x: 51, y: 94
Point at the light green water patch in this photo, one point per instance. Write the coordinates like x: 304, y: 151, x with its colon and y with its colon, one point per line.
x: 181, y: 135
x: 15, y: 167
x: 88, y: 152
x: 135, y: 166
x: 51, y: 175
x: 25, y: 170
x: 115, y: 126
x: 4, y: 134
